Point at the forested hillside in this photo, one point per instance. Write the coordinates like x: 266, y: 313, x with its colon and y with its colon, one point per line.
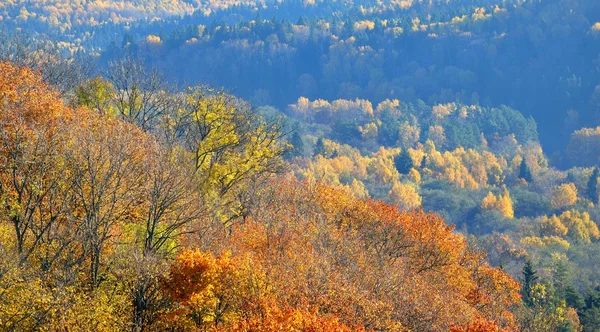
x: 113, y: 219
x: 391, y: 165
x: 537, y: 57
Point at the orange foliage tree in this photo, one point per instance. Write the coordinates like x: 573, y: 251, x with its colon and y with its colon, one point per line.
x: 311, y: 250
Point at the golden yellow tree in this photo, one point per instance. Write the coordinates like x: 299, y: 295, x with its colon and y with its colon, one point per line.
x: 229, y: 143
x: 564, y: 195
x: 501, y: 203
x: 580, y: 227
x: 405, y: 196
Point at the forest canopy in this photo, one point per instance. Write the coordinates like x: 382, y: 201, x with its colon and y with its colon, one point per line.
x: 307, y: 165
x: 106, y: 225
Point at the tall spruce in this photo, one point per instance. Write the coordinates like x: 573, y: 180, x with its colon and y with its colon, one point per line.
x: 525, y: 172
x: 592, y: 186
x: 319, y: 147
x: 298, y: 145
x: 528, y: 281
x: 560, y: 279
x: 403, y: 162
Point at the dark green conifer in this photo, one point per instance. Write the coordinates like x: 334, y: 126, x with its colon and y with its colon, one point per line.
x: 298, y: 145
x: 319, y: 147
x: 529, y: 280
x: 403, y: 162
x: 525, y: 172
x: 592, y: 186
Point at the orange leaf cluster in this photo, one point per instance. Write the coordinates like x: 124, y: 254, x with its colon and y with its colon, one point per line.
x: 312, y: 254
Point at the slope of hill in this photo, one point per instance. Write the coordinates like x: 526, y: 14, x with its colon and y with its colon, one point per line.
x: 389, y: 165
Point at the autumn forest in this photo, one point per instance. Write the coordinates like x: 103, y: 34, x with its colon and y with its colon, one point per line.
x: 300, y: 165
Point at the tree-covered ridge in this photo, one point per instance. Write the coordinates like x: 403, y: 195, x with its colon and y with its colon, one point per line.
x: 90, y: 26
x: 72, y: 16
x: 529, y: 56
x: 392, y: 123
x: 371, y: 147
x: 490, y: 177
x: 68, y: 14
x: 532, y: 56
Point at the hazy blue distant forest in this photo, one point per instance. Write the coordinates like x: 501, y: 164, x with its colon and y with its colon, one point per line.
x: 300, y: 165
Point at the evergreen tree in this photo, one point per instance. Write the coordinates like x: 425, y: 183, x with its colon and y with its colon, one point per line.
x: 301, y: 21
x: 570, y: 177
x: 529, y: 280
x: 592, y: 299
x: 525, y: 172
x: 388, y: 132
x: 319, y: 147
x: 560, y: 279
x: 298, y: 145
x: 574, y: 298
x: 424, y: 162
x: 403, y: 162
x: 592, y: 186
x: 590, y: 319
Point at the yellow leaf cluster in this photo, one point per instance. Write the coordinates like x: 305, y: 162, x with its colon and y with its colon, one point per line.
x: 405, y: 196
x: 501, y: 203
x: 564, y: 195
